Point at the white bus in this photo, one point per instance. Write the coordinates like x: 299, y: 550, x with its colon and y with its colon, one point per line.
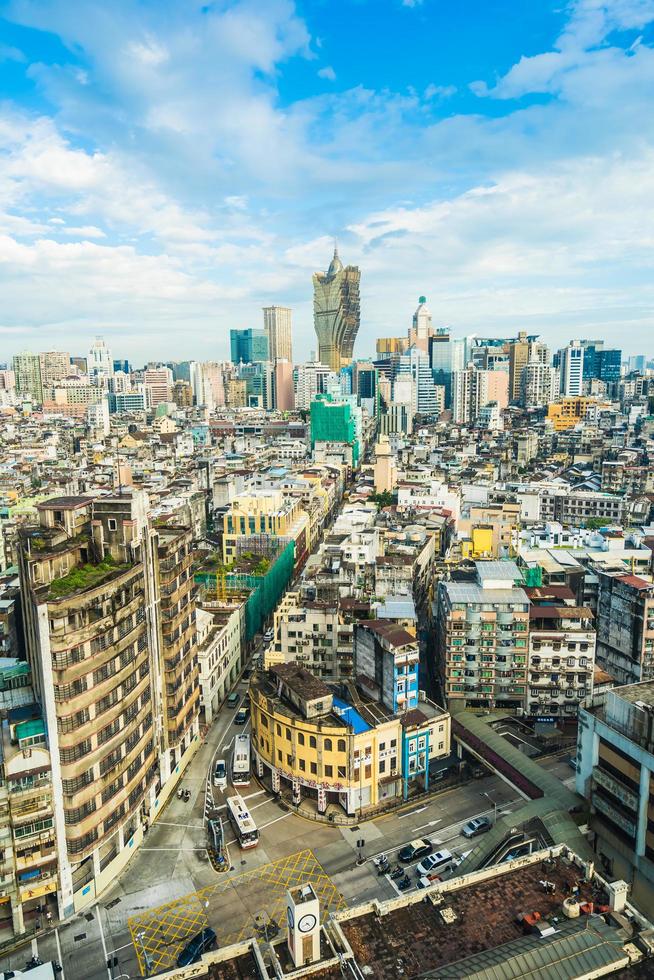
x: 244, y: 826
x: 241, y: 761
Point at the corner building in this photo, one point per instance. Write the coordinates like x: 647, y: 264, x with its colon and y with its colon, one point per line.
x: 110, y: 632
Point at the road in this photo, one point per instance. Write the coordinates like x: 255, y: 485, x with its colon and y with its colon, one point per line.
x: 173, y: 862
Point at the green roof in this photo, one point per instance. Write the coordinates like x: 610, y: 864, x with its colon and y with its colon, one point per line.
x: 29, y: 729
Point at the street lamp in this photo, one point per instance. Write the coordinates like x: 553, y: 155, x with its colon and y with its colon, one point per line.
x: 146, y: 956
x: 494, y: 802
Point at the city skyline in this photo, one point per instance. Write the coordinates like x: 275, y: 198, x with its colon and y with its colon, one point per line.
x: 511, y: 183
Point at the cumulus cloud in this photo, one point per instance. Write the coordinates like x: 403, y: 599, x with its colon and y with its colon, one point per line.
x: 328, y: 73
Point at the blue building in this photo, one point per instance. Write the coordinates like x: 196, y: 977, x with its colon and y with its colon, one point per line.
x: 248, y: 346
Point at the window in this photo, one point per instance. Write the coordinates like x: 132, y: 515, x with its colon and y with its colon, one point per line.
x: 112, y: 524
x: 288, y: 734
x: 393, y: 743
x: 393, y: 762
x: 314, y: 768
x: 368, y: 771
x: 300, y: 739
x: 279, y: 755
x: 289, y: 760
x: 302, y: 764
x: 329, y: 771
x: 341, y: 772
x: 382, y: 765
x: 312, y: 741
x: 382, y: 746
x: 328, y: 745
x: 341, y: 745
x: 278, y: 729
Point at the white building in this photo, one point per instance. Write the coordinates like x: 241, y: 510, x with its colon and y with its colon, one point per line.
x: 99, y: 362
x: 571, y: 366
x: 311, y: 379
x: 220, y: 645
x: 539, y: 384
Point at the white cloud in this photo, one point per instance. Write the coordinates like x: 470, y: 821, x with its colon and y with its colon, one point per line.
x: 328, y: 73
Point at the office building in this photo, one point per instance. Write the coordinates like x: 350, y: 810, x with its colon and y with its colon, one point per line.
x: 99, y: 362
x: 446, y: 354
x: 336, y: 312
x: 248, y: 346
x: 421, y: 328
x: 80, y: 364
x: 309, y: 380
x: 110, y: 631
x: 609, y: 365
x: 387, y: 346
x: 483, y: 629
x: 571, y: 368
x: 277, y: 323
x: 615, y: 773
x: 130, y: 401
x: 124, y: 366
x: 284, y: 397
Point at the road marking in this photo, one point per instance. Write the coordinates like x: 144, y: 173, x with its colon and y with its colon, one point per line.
x: 412, y: 813
x: 186, y: 826
x: 176, y: 849
x: 283, y: 817
x: 35, y: 947
x: 60, y: 958
x: 104, y: 945
x: 251, y: 795
x: 257, y: 805
x: 432, y: 823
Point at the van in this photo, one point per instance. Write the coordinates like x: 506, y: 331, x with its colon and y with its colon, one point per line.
x: 232, y: 700
x: 435, y: 864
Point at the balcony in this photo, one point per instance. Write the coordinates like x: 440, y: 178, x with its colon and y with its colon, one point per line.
x: 614, y: 815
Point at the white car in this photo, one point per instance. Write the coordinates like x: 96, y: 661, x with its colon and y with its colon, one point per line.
x: 220, y: 774
x: 435, y: 864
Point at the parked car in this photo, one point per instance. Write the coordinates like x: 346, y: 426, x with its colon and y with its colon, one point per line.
x: 241, y: 716
x: 220, y: 774
x: 435, y: 863
x: 206, y: 939
x: 426, y: 880
x: 416, y: 849
x: 232, y: 699
x: 268, y: 636
x: 479, y: 825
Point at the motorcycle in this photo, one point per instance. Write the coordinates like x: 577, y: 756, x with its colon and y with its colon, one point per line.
x: 383, y: 869
x: 397, y: 872
x: 380, y: 859
x: 403, y: 883
x: 187, y: 795
x: 180, y: 793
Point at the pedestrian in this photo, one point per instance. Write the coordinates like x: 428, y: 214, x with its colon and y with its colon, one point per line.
x: 48, y: 916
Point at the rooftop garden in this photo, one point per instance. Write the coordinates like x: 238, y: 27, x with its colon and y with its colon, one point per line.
x: 247, y: 563
x: 86, y: 577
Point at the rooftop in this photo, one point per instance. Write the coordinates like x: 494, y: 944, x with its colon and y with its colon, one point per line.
x: 301, y: 681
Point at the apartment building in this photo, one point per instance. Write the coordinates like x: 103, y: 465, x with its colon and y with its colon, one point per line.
x: 625, y: 626
x: 387, y: 656
x: 561, y: 660
x: 110, y: 633
x: 577, y: 507
x: 265, y: 512
x: 615, y: 772
x: 336, y: 751
x: 317, y: 634
x: 483, y: 626
x: 221, y: 640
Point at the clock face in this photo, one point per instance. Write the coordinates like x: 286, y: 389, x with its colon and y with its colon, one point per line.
x: 289, y: 917
x: 307, y: 923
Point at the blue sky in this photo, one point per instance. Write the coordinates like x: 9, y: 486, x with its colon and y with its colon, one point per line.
x: 168, y: 168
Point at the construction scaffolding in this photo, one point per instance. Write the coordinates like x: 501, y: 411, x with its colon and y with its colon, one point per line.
x: 261, y: 571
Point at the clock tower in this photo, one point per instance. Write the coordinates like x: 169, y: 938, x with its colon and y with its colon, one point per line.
x: 303, y: 921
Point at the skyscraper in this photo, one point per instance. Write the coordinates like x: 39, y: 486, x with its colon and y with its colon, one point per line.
x: 248, y: 346
x: 336, y: 312
x: 277, y: 324
x: 571, y: 362
x: 55, y: 365
x: 100, y: 361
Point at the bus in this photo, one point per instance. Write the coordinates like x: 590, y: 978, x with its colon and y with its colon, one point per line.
x: 244, y: 826
x: 241, y: 761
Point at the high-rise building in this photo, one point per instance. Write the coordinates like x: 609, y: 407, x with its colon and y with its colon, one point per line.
x: 336, y: 312
x: 609, y: 365
x: 259, y: 385
x: 333, y: 422
x: 521, y: 351
x: 122, y: 365
x: 625, y: 627
x: 100, y: 362
x: 80, y: 363
x: 387, y: 346
x: 472, y: 389
x: 421, y: 328
x: 446, y: 354
x: 27, y: 369
x: 309, y: 380
x: 539, y: 384
x: 278, y: 327
x: 483, y: 629
x: 160, y: 382
x: 571, y: 367
x: 427, y: 397
x: 110, y: 632
x: 249, y: 346
x: 283, y: 384
x: 55, y: 365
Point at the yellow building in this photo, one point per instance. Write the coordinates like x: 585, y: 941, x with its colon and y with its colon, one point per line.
x: 351, y: 754
x: 265, y: 512
x: 567, y: 412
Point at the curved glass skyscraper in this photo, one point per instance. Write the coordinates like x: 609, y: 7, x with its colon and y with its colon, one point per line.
x: 336, y: 312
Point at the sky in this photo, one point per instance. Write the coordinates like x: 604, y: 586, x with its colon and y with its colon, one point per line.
x: 168, y: 168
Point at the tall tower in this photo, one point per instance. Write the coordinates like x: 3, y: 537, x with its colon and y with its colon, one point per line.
x: 277, y: 324
x: 336, y: 312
